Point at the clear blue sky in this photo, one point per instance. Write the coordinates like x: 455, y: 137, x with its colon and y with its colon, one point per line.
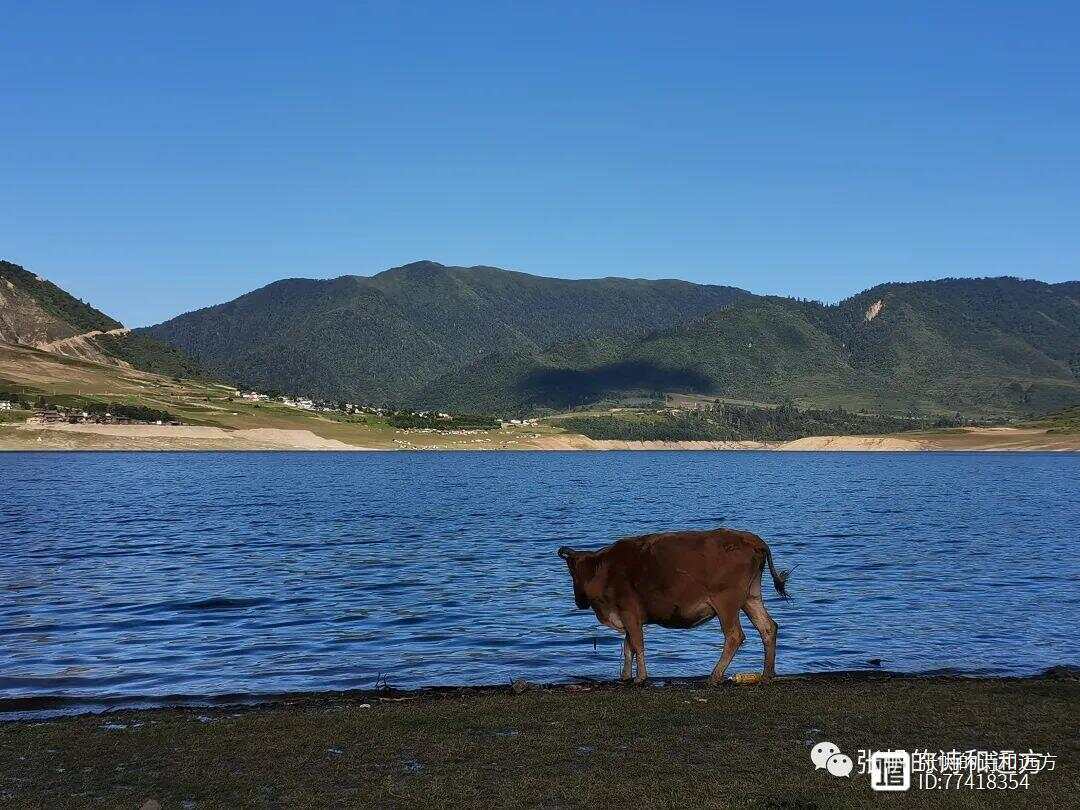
x: 158, y: 157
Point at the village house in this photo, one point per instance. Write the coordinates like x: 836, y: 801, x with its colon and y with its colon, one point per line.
x: 47, y: 416
x: 300, y: 402
x: 509, y: 422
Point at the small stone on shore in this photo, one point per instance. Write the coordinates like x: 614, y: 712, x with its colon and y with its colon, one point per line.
x: 520, y: 686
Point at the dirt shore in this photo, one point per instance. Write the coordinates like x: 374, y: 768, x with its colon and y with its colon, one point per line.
x: 857, y: 443
x: 678, y: 744
x: 162, y: 437
x: 575, y: 441
x: 165, y: 437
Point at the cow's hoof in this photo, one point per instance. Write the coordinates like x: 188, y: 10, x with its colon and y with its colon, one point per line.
x: 717, y: 682
x: 640, y: 681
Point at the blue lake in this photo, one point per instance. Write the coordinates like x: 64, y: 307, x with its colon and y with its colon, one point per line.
x: 145, y: 575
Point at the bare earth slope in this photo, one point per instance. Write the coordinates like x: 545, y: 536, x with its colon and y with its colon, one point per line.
x: 35, y: 311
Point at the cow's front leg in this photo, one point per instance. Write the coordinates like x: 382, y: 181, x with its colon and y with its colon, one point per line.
x: 627, y: 660
x: 635, y: 634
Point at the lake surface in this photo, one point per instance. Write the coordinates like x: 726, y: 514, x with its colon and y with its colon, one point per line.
x: 130, y: 576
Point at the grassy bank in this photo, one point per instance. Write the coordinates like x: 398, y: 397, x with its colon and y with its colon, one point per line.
x: 27, y: 374
x: 679, y: 745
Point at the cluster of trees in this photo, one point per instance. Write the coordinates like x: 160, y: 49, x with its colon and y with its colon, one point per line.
x: 136, y: 413
x: 734, y: 423
x: 151, y: 355
x: 1067, y: 421
x: 412, y: 419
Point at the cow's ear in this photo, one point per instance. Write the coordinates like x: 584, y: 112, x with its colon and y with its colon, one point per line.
x: 565, y: 552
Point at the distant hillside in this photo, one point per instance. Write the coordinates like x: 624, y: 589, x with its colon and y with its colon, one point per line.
x: 382, y: 339
x: 748, y: 351
x: 35, y: 312
x: 975, y: 345
x: 484, y: 340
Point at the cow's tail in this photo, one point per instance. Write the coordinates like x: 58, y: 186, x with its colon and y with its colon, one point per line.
x: 780, y: 577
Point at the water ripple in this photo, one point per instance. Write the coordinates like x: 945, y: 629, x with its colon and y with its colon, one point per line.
x: 209, y: 574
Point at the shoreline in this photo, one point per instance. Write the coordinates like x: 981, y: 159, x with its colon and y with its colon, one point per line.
x: 675, y: 742
x: 129, y: 438
x: 72, y: 707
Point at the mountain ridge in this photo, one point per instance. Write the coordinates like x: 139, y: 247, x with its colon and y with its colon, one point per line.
x: 406, y: 325
x: 965, y: 344
x: 482, y: 339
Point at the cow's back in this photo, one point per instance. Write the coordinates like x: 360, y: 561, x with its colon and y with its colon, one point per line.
x: 672, y: 575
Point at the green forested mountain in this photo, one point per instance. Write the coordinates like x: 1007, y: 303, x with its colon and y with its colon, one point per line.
x: 482, y: 340
x: 382, y: 339
x: 974, y: 345
x: 485, y: 340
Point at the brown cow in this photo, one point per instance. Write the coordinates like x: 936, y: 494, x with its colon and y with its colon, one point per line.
x: 678, y: 579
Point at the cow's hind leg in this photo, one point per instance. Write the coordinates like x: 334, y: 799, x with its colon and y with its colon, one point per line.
x: 627, y: 659
x: 635, y: 634
x: 766, y: 627
x: 728, y: 614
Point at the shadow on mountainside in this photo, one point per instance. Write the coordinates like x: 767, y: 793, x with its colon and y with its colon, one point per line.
x: 565, y: 387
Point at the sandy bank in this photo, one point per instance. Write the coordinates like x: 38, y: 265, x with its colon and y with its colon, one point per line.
x: 966, y: 439
x: 574, y: 441
x: 848, y: 443
x: 612, y: 444
x: 576, y: 745
x: 1000, y: 438
x: 161, y: 437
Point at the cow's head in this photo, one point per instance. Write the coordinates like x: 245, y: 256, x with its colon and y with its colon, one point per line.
x: 573, y: 560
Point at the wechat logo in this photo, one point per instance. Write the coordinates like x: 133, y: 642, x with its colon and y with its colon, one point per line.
x: 828, y: 756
